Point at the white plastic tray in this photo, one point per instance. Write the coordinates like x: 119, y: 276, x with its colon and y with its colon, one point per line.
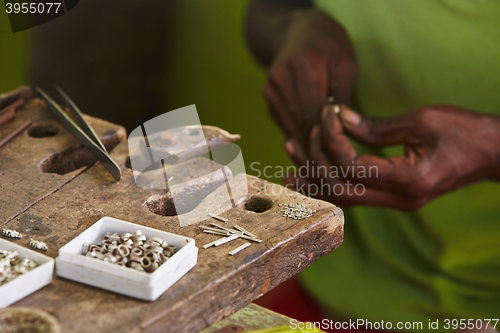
x: 71, y: 264
x: 30, y: 282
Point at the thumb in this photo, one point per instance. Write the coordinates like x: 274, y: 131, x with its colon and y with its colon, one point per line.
x: 376, y: 131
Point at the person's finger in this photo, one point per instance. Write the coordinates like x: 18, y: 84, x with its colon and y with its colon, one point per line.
x: 393, y: 175
x: 277, y: 109
x: 379, y: 132
x: 344, y: 193
x: 322, y: 180
x: 320, y: 169
x: 304, y: 186
x: 336, y: 142
x: 281, y: 79
x: 342, y: 76
x: 295, y: 152
x: 310, y: 78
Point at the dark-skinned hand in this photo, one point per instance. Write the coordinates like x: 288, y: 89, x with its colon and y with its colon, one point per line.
x: 446, y: 147
x: 314, y: 60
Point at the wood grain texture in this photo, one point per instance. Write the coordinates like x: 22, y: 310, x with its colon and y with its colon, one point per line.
x: 217, y: 286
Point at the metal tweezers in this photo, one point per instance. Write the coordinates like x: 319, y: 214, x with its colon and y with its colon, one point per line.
x: 84, y: 133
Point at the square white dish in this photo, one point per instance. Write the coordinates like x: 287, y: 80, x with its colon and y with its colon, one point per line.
x: 30, y: 282
x: 71, y: 264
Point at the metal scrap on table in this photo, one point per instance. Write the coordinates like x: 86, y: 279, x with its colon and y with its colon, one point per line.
x: 230, y: 234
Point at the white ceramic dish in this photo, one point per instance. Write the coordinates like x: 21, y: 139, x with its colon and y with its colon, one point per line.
x: 30, y: 282
x: 71, y: 264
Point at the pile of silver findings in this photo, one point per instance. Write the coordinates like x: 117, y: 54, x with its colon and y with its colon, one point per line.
x: 296, y: 211
x: 11, y: 266
x: 230, y: 235
x: 132, y: 250
x: 11, y: 233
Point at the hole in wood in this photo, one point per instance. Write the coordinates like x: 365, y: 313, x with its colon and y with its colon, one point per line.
x: 75, y: 158
x: 42, y: 130
x: 259, y: 203
x: 161, y: 204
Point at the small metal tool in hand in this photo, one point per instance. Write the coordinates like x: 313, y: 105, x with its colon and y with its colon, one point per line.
x: 84, y: 133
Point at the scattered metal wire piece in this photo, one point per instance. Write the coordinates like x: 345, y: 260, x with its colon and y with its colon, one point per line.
x: 249, y: 238
x: 231, y: 234
x: 230, y: 231
x: 218, y: 230
x: 239, y: 248
x: 38, y: 245
x: 225, y: 240
x: 11, y: 233
x: 217, y: 217
x: 206, y: 246
x: 219, y: 233
x: 244, y: 231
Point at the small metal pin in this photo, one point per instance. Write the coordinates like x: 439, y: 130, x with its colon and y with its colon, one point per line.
x: 225, y: 232
x: 239, y: 248
x: 217, y: 217
x: 249, y: 238
x: 225, y: 240
x: 219, y: 233
x: 244, y: 231
x: 223, y: 228
x: 206, y: 246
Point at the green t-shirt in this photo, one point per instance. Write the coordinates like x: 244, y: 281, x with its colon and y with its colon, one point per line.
x: 444, y: 260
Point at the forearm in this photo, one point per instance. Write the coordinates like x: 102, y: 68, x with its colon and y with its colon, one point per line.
x: 495, y: 148
x: 266, y: 22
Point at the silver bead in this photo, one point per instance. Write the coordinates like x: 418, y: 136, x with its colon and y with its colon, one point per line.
x: 126, y: 236
x: 38, y: 245
x: 108, y: 257
x: 157, y: 240
x: 11, y: 233
x: 123, y: 250
x: 85, y: 248
x: 132, y: 250
x: 11, y: 266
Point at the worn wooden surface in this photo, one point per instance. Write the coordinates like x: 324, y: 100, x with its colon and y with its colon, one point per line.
x: 249, y: 318
x: 60, y: 207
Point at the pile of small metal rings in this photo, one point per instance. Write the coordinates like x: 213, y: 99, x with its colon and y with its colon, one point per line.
x: 11, y: 266
x: 297, y: 211
x: 132, y: 250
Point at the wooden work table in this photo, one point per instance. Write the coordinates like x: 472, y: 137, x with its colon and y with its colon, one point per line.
x: 55, y: 208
